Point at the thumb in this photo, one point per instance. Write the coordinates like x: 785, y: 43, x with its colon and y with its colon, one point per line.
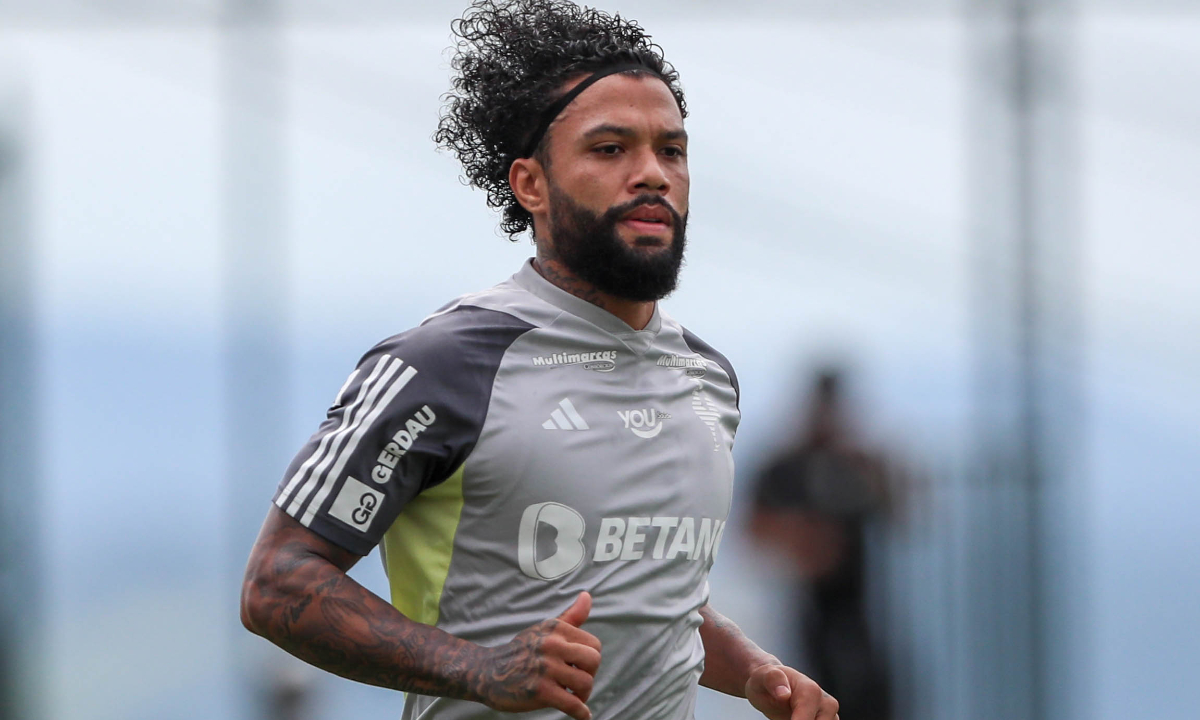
x: 776, y: 682
x: 578, y: 612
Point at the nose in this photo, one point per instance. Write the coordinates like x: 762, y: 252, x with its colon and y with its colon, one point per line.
x: 649, y: 175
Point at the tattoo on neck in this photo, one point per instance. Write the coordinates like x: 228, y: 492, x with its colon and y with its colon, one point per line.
x: 552, y: 270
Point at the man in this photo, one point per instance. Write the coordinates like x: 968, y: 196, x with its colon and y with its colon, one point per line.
x: 814, y: 502
x: 554, y: 445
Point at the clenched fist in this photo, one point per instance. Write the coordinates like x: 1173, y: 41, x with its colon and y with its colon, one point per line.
x: 552, y: 664
x: 781, y: 693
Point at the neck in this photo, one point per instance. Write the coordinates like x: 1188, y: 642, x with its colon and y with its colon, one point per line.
x: 635, y: 314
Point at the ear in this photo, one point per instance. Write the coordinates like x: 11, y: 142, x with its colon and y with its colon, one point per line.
x: 527, y: 178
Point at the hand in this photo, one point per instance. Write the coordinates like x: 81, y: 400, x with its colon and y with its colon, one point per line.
x: 781, y: 693
x: 552, y: 664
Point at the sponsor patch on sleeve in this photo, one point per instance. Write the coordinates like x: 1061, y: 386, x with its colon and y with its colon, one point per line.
x: 356, y: 504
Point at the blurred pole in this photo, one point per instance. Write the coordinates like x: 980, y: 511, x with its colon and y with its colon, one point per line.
x: 256, y: 362
x: 1026, y: 327
x: 20, y: 509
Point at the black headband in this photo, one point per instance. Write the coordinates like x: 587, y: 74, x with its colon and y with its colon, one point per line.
x: 560, y: 104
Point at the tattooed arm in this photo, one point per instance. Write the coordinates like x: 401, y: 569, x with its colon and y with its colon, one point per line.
x: 734, y: 665
x: 297, y: 595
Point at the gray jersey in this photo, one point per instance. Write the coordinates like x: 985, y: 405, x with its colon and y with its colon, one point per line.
x: 518, y: 447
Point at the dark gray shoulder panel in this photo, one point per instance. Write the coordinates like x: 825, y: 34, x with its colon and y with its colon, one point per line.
x: 707, y: 351
x: 407, y: 418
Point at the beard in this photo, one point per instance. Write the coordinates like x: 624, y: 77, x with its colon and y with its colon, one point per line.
x: 590, y: 247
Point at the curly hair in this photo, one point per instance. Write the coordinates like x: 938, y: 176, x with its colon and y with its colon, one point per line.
x: 511, y: 61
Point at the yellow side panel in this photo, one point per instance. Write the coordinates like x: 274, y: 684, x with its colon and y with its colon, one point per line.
x: 418, y: 546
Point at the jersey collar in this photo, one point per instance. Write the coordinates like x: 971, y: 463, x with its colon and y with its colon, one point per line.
x: 529, y: 278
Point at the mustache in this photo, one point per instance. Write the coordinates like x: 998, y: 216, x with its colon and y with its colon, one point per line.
x: 613, y: 214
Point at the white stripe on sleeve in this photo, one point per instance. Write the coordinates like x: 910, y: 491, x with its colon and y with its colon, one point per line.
x: 323, y: 446
x: 330, y: 479
x: 389, y: 366
x: 338, y: 399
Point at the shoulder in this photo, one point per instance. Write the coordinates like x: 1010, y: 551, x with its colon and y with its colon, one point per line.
x: 457, y: 338
x: 708, y: 352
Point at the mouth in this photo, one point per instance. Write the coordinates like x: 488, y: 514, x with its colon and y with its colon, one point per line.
x: 649, y: 220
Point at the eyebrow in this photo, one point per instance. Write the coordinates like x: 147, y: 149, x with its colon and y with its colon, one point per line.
x: 624, y: 131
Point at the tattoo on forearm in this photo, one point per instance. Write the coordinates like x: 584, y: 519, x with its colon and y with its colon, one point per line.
x: 514, y: 665
x: 311, y: 608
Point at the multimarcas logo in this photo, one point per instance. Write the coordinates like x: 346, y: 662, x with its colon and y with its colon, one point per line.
x: 691, y: 366
x: 601, y: 361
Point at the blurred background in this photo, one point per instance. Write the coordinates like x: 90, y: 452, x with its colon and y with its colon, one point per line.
x: 979, y: 218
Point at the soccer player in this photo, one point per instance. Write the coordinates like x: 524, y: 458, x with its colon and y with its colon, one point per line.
x: 546, y: 464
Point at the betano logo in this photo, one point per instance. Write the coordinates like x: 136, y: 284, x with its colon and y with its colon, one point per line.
x: 623, y: 538
x: 568, y: 529
x: 562, y: 529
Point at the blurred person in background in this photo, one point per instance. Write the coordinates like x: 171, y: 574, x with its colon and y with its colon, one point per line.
x: 553, y: 442
x: 813, y: 503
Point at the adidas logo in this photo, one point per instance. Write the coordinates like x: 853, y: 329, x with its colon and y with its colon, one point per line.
x: 565, y: 417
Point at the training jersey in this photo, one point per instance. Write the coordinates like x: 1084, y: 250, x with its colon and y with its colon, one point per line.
x: 522, y: 445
